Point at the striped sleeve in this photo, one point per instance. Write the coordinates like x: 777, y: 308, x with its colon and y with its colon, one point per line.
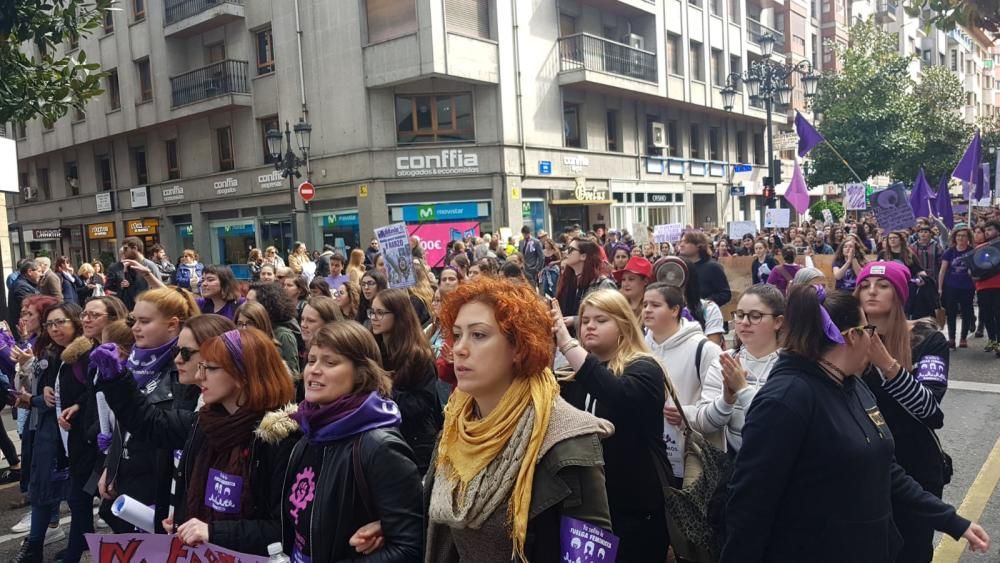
x: 912, y: 395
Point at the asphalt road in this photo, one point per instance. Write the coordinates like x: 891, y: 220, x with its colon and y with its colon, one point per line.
x: 970, y: 435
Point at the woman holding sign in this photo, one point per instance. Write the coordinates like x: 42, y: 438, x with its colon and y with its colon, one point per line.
x: 233, y: 451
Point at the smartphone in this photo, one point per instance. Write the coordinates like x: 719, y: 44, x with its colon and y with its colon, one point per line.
x: 800, y: 250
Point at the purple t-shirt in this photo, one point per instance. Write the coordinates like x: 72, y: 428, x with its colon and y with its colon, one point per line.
x: 228, y: 310
x: 850, y: 278
x: 778, y: 279
x: 957, y: 276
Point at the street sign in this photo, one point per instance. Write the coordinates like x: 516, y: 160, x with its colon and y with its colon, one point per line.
x: 545, y: 167
x: 307, y: 191
x: 737, y: 191
x: 742, y: 168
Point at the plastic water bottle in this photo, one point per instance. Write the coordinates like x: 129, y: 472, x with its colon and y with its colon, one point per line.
x: 276, y: 555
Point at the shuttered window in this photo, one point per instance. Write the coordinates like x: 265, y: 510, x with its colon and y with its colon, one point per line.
x: 388, y: 19
x: 468, y: 17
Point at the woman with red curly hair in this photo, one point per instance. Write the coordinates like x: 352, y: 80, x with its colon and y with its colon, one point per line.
x: 504, y: 420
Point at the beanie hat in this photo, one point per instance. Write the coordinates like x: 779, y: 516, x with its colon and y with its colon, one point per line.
x: 895, y: 273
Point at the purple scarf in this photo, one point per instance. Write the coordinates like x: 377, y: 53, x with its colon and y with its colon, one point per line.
x: 146, y: 364
x: 346, y: 416
x: 228, y: 310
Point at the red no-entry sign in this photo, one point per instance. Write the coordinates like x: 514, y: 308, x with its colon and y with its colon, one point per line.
x: 307, y: 191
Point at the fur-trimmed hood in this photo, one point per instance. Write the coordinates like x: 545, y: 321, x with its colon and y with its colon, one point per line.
x: 277, y: 425
x: 77, y: 350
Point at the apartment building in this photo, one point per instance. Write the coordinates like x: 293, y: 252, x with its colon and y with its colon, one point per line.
x: 450, y: 115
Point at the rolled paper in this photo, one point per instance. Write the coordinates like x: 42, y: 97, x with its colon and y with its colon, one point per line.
x: 135, y: 513
x: 104, y: 415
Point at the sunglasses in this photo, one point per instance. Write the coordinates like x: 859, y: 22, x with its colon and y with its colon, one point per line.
x: 870, y: 329
x: 185, y: 353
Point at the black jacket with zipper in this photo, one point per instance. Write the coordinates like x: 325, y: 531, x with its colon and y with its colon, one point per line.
x: 82, y: 439
x: 816, y: 477
x: 420, y: 410
x: 273, y: 440
x: 338, y: 509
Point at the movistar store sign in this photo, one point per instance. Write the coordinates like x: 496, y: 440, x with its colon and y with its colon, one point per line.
x: 460, y: 211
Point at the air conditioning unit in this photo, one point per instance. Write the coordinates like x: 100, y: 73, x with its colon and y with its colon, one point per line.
x: 658, y: 135
x: 635, y: 41
x: 29, y: 193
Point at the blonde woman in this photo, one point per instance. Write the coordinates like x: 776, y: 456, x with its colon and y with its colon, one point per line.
x: 356, y: 265
x: 298, y: 258
x: 617, y: 378
x: 272, y: 257
x: 91, y: 282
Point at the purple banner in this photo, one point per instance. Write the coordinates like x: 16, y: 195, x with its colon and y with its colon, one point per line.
x: 582, y: 542
x: 139, y: 548
x: 892, y: 209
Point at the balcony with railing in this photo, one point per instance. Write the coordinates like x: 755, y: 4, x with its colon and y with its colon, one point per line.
x: 183, y: 18
x: 227, y: 80
x: 756, y: 30
x: 885, y: 11
x: 585, y: 58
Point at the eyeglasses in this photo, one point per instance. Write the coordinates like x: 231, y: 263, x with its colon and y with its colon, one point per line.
x: 339, y: 293
x: 243, y: 325
x: 55, y: 323
x: 185, y: 353
x: 368, y: 283
x: 870, y: 329
x: 572, y: 249
x: 203, y: 366
x: 754, y: 316
x: 88, y: 315
x: 376, y: 315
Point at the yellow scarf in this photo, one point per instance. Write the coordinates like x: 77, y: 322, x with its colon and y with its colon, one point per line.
x: 468, y: 444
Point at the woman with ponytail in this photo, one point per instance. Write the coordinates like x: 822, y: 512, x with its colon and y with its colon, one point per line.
x: 510, y: 443
x: 816, y: 478
x: 134, y: 466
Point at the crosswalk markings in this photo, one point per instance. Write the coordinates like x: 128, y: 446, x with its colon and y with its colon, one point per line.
x: 949, y: 550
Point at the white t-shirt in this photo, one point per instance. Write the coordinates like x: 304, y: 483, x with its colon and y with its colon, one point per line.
x: 713, y: 318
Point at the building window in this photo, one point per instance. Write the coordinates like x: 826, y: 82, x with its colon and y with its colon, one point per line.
x: 215, y: 53
x: 141, y: 172
x: 79, y: 114
x: 468, y: 17
x: 758, y: 148
x: 714, y: 144
x: 388, y: 19
x: 43, y: 183
x: 114, y: 95
x: 716, y: 6
x: 696, y: 142
x: 109, y: 21
x: 21, y: 130
x: 265, y: 52
x: 225, y: 139
x: 675, y: 54
x: 138, y: 10
x: 22, y: 180
x: 567, y: 25
x: 695, y: 3
x: 104, y: 172
x: 735, y: 12
x: 613, y: 128
x: 173, y: 166
x: 267, y: 124
x: 741, y: 147
x: 571, y: 125
x: 673, y: 141
x: 697, y: 62
x: 718, y: 68
x: 72, y: 178
x: 145, y: 80
x: 441, y: 118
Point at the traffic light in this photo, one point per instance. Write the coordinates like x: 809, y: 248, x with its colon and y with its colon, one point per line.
x: 777, y: 174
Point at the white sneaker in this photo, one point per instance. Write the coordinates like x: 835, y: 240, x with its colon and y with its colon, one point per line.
x: 101, y: 524
x: 53, y: 535
x: 23, y: 525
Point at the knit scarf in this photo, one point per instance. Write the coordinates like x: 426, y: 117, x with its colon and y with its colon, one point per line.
x: 469, y: 444
x: 226, y: 448
x: 145, y: 364
x: 346, y: 416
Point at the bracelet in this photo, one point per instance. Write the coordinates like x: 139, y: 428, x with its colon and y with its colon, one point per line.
x: 569, y: 345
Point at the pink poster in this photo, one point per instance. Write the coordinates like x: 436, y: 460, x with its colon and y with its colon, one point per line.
x: 434, y: 238
x: 139, y: 548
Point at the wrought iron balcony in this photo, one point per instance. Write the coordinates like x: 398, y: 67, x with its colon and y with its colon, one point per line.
x: 184, y: 18
x: 755, y: 30
x: 217, y: 79
x: 583, y: 51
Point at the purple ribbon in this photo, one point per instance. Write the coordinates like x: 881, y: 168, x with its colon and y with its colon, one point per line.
x: 829, y: 329
x: 235, y: 347
x: 104, y: 442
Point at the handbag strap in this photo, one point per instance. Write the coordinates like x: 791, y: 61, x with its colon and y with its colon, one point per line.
x: 677, y: 403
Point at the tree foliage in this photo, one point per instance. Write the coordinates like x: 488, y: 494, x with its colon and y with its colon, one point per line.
x: 946, y: 14
x: 881, y: 120
x: 35, y: 81
x: 836, y: 209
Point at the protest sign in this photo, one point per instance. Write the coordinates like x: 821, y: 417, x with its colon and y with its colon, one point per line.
x: 395, y: 243
x: 739, y: 228
x: 139, y: 548
x: 827, y: 216
x: 855, y: 198
x: 586, y: 543
x: 892, y: 209
x: 777, y: 218
x: 640, y: 234
x: 668, y: 233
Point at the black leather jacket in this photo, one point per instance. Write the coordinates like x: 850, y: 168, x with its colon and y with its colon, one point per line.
x: 338, y: 509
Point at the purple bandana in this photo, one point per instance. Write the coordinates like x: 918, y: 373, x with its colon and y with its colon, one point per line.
x: 7, y: 365
x: 146, y: 364
x: 322, y: 424
x: 829, y: 329
x: 235, y: 347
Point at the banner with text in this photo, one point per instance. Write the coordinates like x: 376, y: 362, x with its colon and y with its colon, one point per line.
x: 395, y: 244
x: 141, y: 548
x: 892, y: 209
x: 434, y: 238
x: 777, y: 218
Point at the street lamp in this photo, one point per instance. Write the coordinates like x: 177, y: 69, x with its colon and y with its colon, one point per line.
x: 288, y: 162
x: 769, y: 81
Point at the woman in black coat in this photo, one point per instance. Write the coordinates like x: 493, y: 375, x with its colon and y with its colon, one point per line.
x: 816, y: 478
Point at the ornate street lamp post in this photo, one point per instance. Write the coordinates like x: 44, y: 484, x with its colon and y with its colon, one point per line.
x: 288, y: 162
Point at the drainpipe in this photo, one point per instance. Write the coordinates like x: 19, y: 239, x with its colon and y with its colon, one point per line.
x: 302, y: 80
x: 517, y: 87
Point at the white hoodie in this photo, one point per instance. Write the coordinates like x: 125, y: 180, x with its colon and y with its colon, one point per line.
x: 714, y: 413
x: 676, y: 354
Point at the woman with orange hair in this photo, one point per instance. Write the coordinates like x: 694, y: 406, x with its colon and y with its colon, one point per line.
x: 504, y: 420
x: 241, y: 438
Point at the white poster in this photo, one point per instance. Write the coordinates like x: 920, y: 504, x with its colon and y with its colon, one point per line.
x: 777, y: 218
x: 670, y: 232
x: 739, y: 228
x: 395, y: 244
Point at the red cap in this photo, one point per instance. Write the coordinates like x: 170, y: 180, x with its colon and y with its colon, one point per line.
x: 636, y: 265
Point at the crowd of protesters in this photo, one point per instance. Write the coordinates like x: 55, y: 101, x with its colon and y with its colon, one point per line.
x: 521, y: 384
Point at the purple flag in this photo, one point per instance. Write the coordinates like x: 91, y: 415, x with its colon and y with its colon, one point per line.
x: 982, y: 182
x: 968, y: 166
x: 809, y: 137
x: 797, y: 193
x: 920, y: 196
x: 942, y: 204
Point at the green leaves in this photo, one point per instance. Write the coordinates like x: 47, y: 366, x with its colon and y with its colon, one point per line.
x: 36, y: 83
x: 946, y: 14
